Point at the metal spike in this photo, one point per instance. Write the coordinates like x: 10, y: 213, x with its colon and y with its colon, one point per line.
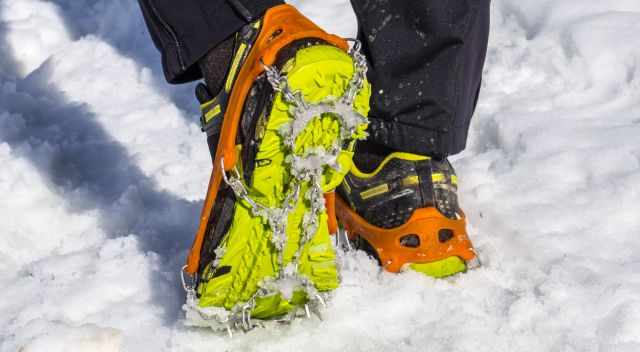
x: 307, y: 312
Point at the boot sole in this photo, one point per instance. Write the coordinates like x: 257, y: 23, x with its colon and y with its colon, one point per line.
x: 250, y: 260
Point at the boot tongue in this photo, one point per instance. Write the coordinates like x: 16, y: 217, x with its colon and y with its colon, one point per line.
x: 368, y: 156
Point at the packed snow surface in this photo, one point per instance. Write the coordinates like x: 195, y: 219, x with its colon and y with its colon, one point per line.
x: 103, y: 170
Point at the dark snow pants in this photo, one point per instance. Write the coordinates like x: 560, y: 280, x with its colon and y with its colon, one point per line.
x: 425, y: 57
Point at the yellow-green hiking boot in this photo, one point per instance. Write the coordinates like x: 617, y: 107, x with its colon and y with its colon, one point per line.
x: 265, y: 251
x: 403, y: 210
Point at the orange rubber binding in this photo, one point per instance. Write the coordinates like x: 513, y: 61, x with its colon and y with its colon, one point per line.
x: 281, y: 26
x: 330, y: 204
x: 426, y: 223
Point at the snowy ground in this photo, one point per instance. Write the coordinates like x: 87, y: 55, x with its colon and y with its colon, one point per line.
x: 103, y: 167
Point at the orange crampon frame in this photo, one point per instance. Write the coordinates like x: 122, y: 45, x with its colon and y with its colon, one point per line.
x: 426, y: 223
x: 280, y: 26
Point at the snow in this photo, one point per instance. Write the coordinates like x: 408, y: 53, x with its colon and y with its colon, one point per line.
x: 103, y: 170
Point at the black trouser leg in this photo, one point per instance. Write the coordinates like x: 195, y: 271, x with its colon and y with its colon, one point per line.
x: 425, y: 56
x: 184, y: 31
x: 426, y: 59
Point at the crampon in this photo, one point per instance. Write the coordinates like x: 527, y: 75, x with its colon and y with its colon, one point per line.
x: 405, y: 214
x: 294, y: 103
